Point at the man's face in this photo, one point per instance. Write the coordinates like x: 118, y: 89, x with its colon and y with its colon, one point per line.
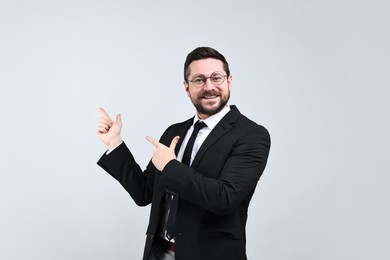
x: 208, y: 99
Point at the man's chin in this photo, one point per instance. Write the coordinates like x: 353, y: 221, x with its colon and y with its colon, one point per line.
x: 210, y: 109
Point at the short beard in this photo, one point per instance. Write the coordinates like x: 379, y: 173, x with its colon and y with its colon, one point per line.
x: 214, y: 111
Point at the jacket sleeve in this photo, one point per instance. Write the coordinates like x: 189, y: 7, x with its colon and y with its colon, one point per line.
x: 236, y: 181
x: 121, y: 165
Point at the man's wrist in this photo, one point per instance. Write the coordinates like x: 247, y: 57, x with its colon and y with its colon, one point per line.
x: 114, y: 143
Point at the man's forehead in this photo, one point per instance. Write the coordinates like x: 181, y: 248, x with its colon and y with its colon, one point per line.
x: 208, y: 65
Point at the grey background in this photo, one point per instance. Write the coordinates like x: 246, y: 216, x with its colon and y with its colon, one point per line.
x: 315, y: 73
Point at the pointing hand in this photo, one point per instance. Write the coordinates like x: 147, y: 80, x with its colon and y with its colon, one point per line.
x: 163, y: 154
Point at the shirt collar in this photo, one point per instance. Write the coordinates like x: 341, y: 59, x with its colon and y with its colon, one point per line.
x: 213, y: 120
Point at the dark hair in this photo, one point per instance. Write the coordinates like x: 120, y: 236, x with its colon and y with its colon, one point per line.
x: 204, y: 53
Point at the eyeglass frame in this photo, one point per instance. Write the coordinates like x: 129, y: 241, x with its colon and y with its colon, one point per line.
x: 205, y: 79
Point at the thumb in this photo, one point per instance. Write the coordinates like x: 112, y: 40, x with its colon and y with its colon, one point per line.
x: 119, y: 120
x: 174, y: 142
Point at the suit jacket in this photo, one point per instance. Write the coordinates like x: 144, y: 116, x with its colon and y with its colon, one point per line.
x: 214, y: 192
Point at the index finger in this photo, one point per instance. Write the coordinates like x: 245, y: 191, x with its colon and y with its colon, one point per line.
x: 105, y: 115
x: 103, y: 112
x: 153, y: 141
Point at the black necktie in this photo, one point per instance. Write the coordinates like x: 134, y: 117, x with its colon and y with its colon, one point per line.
x: 171, y: 223
x: 190, y: 145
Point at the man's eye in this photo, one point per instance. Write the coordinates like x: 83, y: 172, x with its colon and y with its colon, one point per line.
x: 198, y: 80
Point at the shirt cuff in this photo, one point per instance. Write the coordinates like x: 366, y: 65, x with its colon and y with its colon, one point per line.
x: 110, y: 150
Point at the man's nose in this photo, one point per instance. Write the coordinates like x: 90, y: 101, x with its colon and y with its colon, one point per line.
x: 208, y: 84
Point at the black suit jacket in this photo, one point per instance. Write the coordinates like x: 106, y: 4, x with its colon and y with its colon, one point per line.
x: 214, y: 192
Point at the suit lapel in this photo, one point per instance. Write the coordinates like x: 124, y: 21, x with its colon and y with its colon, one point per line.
x: 224, y: 126
x: 182, y: 133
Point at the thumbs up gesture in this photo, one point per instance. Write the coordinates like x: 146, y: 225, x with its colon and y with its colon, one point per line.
x: 108, y: 130
x: 163, y: 154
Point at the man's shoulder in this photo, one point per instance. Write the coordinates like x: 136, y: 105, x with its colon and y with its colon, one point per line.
x: 246, y: 124
x: 176, y: 129
x: 182, y: 124
x: 237, y: 117
x: 244, y: 120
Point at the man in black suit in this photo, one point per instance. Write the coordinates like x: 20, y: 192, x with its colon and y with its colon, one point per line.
x: 199, y: 195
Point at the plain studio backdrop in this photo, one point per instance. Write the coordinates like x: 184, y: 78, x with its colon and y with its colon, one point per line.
x: 314, y: 73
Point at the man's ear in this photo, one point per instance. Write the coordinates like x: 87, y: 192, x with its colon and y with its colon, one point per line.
x: 186, y: 87
x: 230, y: 82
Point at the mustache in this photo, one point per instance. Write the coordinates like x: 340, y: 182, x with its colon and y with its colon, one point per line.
x: 210, y: 93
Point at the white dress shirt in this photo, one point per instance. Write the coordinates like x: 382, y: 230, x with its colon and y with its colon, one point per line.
x: 210, y: 122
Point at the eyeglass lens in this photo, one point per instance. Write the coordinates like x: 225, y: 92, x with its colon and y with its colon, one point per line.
x: 217, y: 78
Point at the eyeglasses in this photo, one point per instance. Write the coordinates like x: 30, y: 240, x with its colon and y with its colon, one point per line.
x: 199, y: 80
